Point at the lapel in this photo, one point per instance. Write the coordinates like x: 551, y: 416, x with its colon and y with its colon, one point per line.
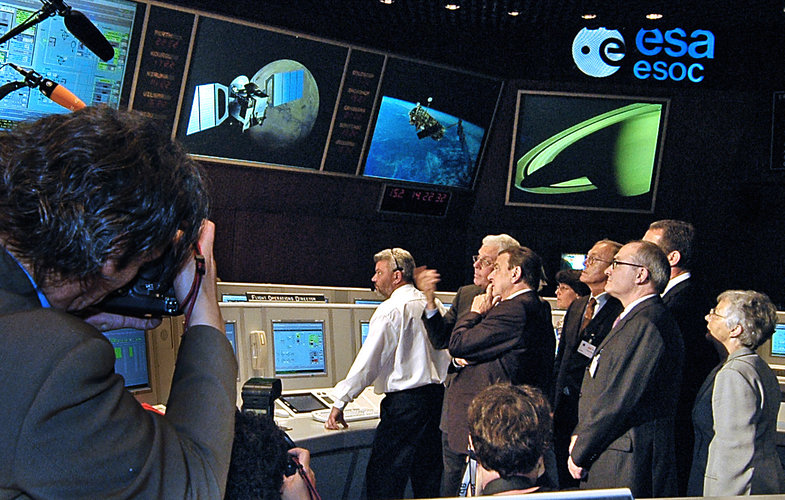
x: 629, y: 317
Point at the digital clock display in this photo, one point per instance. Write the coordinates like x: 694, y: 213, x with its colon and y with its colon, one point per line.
x: 408, y: 200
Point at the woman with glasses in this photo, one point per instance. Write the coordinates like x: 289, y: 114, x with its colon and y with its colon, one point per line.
x: 735, y: 412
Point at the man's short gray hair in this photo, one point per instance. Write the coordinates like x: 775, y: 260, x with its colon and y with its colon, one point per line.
x: 500, y: 241
x: 399, y: 260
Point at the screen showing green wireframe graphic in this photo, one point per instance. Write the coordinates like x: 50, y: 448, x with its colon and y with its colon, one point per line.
x: 586, y: 151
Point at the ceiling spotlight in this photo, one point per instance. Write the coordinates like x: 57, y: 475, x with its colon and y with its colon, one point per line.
x: 589, y: 17
x: 514, y: 13
x: 387, y: 2
x: 452, y: 5
x: 653, y: 16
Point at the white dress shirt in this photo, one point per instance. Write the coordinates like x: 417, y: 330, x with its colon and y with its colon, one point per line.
x: 397, y: 354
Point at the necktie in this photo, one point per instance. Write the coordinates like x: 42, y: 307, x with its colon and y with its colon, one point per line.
x: 588, y: 314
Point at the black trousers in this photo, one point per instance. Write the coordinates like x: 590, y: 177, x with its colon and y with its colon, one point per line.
x: 407, y: 445
x: 454, y: 465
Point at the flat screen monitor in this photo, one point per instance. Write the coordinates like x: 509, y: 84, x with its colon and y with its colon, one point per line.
x: 586, y: 151
x: 363, y: 331
x: 52, y: 51
x: 231, y: 334
x: 130, y: 351
x: 778, y: 342
x: 234, y: 297
x: 298, y: 348
x: 367, y: 302
x: 431, y: 125
x: 572, y: 261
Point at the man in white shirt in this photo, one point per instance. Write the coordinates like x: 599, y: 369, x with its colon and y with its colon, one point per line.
x: 398, y: 359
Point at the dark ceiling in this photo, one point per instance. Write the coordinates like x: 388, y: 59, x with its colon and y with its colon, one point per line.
x: 482, y: 36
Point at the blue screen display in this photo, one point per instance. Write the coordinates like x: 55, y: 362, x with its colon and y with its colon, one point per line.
x: 778, y: 341
x: 299, y: 347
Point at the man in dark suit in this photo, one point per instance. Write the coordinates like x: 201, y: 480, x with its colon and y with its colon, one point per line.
x: 624, y: 436
x: 87, y: 199
x: 440, y: 328
x: 688, y: 303
x: 507, y: 336
x: 587, y: 322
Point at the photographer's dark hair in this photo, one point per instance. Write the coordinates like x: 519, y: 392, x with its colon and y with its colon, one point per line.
x: 78, y: 189
x: 259, y: 458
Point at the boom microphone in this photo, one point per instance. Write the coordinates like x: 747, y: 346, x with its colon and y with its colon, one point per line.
x: 54, y: 91
x: 86, y: 32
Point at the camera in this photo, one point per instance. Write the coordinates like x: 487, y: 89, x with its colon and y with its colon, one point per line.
x: 150, y: 294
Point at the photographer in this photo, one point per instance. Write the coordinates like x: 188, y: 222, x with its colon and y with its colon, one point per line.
x: 86, y: 199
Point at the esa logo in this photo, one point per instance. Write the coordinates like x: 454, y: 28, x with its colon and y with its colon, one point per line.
x: 672, y: 55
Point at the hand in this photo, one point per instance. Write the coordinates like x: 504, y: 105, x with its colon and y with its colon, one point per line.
x: 294, y: 487
x: 105, y: 321
x: 460, y: 362
x: 485, y: 301
x: 575, y: 471
x: 205, y: 310
x: 335, y: 418
x: 426, y: 280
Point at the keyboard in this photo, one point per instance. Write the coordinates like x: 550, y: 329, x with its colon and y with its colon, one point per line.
x: 350, y: 414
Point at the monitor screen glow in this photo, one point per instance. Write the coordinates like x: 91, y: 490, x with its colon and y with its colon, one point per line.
x: 778, y: 341
x: 130, y: 350
x: 299, y: 348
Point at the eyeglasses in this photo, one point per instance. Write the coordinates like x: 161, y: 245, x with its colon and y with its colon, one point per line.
x: 616, y: 263
x: 713, y: 312
x: 484, y: 262
x: 591, y: 260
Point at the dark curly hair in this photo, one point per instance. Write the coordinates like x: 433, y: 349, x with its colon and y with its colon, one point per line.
x: 510, y: 427
x: 259, y: 457
x: 81, y: 188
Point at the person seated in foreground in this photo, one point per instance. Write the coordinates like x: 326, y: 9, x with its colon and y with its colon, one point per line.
x: 263, y: 465
x: 510, y: 429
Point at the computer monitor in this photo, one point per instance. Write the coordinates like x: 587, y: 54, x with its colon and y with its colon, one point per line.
x: 234, y: 297
x: 773, y: 350
x: 367, y: 302
x: 572, y: 261
x: 777, y: 347
x: 231, y: 334
x: 298, y: 348
x: 52, y: 51
x: 130, y: 350
x: 364, y: 331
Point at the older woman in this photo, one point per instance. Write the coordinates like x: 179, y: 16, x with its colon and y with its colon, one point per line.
x: 735, y: 413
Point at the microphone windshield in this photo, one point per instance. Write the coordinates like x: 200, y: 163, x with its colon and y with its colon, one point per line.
x: 86, y: 32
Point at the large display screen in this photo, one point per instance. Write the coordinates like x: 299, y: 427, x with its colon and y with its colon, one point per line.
x: 586, y: 151
x: 432, y: 124
x: 51, y: 50
x: 298, y: 348
x: 259, y: 96
x: 130, y: 351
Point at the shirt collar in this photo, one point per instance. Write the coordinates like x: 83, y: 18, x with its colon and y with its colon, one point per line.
x: 675, y: 281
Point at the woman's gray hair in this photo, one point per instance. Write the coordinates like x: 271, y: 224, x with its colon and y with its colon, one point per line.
x: 753, y: 311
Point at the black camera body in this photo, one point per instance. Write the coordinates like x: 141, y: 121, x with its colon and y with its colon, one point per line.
x: 150, y: 294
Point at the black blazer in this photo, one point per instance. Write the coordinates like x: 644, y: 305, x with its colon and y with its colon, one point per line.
x: 627, y: 405
x: 513, y: 342
x: 68, y: 427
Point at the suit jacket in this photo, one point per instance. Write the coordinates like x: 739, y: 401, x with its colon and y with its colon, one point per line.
x: 689, y: 304
x: 735, y: 419
x: 513, y: 342
x: 68, y: 427
x: 440, y: 327
x: 627, y: 404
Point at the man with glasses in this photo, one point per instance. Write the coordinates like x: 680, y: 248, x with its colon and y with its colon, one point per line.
x: 440, y: 327
x: 624, y: 436
x: 399, y: 359
x: 688, y: 302
x: 507, y: 336
x: 586, y: 323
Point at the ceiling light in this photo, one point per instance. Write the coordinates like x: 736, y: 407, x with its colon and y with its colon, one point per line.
x: 514, y: 13
x: 387, y: 2
x: 653, y: 16
x: 452, y: 5
x: 589, y: 17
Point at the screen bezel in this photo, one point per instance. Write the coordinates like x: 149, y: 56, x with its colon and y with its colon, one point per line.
x: 301, y: 374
